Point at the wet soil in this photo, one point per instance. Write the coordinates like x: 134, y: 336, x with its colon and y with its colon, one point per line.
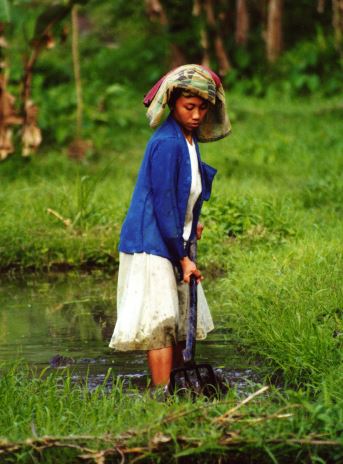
x: 60, y: 320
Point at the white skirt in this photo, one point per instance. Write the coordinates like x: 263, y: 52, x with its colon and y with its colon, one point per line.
x: 152, y: 306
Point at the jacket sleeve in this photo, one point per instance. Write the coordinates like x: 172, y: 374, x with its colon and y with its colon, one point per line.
x: 164, y: 167
x: 208, y: 172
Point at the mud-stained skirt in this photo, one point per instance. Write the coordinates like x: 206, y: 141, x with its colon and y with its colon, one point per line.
x: 152, y: 305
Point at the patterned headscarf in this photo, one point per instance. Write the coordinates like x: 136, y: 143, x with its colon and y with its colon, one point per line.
x: 199, y: 81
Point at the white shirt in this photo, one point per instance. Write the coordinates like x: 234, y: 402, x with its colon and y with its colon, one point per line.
x: 195, y: 191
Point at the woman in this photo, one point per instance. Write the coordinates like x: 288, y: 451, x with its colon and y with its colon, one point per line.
x: 162, y: 220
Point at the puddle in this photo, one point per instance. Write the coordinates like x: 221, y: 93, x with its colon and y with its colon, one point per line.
x: 73, y: 315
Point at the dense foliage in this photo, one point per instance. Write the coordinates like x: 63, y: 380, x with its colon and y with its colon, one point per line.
x: 122, y: 48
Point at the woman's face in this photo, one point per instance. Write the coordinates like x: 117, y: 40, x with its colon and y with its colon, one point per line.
x: 189, y: 112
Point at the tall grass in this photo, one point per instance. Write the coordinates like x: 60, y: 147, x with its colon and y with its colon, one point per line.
x: 288, y: 308
x: 63, y: 420
x: 279, y: 175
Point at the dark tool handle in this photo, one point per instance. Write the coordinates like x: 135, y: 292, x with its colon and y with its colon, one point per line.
x: 189, y: 352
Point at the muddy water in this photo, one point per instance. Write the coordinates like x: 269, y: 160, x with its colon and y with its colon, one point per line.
x: 73, y: 315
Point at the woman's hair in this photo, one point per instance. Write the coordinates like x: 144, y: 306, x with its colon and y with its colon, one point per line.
x: 177, y: 93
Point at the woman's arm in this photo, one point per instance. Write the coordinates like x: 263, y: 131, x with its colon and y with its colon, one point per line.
x: 164, y: 166
x: 164, y: 176
x: 200, y: 228
x: 189, y: 268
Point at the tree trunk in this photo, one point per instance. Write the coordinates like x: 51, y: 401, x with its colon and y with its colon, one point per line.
x: 321, y: 6
x: 242, y: 22
x: 178, y: 57
x: 7, y: 113
x: 263, y: 10
x: 78, y: 147
x: 274, y: 30
x: 155, y: 11
x: 178, y: 17
x: 204, y: 42
x: 337, y: 22
x: 31, y: 136
x: 205, y: 47
x: 77, y: 73
x: 219, y: 49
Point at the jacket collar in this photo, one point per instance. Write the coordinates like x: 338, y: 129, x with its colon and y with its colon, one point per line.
x: 170, y: 121
x: 175, y: 126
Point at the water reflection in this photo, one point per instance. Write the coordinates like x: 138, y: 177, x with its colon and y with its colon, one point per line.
x: 73, y: 315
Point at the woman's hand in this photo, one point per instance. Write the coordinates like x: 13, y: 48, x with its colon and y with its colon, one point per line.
x: 200, y: 228
x: 189, y: 268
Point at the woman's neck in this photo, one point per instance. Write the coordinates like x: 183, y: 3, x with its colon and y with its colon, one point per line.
x: 188, y: 135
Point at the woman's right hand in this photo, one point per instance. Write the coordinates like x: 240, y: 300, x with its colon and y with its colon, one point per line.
x: 189, y: 268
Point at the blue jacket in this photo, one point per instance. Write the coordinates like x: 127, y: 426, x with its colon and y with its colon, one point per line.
x: 155, y: 220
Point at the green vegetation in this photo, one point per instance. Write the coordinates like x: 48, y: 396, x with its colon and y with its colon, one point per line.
x: 114, y: 61
x: 56, y: 419
x: 271, y: 249
x: 278, y: 188
x: 272, y: 246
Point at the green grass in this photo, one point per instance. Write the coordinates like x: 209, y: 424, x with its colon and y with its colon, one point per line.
x: 272, y: 249
x: 280, y: 177
x: 48, y: 415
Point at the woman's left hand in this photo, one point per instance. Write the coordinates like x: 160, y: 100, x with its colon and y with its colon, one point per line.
x: 200, y: 228
x: 189, y: 268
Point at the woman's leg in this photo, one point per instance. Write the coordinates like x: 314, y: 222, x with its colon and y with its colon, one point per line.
x: 163, y: 360
x: 160, y: 364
